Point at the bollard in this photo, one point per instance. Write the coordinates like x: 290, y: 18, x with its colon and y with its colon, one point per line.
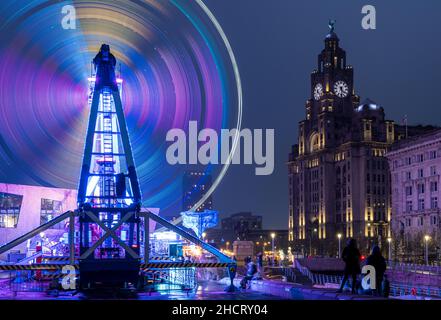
x: 232, y: 274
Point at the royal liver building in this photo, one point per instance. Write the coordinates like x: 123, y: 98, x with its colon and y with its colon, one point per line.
x: 339, y: 182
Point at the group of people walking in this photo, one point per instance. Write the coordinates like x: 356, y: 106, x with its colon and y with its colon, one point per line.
x: 352, y: 258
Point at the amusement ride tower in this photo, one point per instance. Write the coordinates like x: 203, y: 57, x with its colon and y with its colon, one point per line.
x: 109, y: 197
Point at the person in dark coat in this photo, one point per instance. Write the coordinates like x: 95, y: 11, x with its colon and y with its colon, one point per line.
x: 105, y: 63
x: 379, y: 263
x: 251, y: 271
x: 351, y: 257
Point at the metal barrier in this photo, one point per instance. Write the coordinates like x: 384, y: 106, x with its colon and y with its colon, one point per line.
x: 171, y: 279
x: 23, y: 281
x: 396, y: 289
x: 412, y: 267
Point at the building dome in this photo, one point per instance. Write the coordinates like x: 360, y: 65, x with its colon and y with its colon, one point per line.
x: 331, y: 36
x: 368, y: 105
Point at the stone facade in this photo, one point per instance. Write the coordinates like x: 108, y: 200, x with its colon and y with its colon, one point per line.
x: 338, y: 176
x: 416, y: 193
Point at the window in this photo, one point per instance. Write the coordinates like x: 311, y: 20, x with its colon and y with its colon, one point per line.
x: 432, y: 154
x: 10, y: 205
x: 433, y: 220
x: 408, y: 222
x: 409, y: 206
x: 420, y: 158
x: 408, y: 190
x: 433, y: 186
x: 408, y: 161
x: 434, y: 203
x: 420, y: 173
x: 421, y: 188
x: 433, y: 170
x: 420, y: 204
x: 408, y: 175
x: 50, y: 209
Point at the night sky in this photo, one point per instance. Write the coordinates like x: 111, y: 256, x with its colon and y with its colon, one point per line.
x: 276, y: 44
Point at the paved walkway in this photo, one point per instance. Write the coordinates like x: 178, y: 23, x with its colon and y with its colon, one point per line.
x: 288, y: 290
x: 205, y: 291
x: 260, y: 290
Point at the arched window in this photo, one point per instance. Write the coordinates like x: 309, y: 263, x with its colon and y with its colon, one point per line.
x: 314, y: 142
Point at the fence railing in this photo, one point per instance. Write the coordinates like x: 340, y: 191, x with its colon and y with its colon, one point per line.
x: 396, y: 289
x: 303, y: 270
x: 403, y: 290
x: 411, y: 267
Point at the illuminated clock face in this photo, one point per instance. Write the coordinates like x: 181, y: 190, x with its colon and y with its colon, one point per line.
x: 341, y: 89
x: 318, y: 91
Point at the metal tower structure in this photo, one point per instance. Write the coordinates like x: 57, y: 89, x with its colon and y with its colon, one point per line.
x: 109, y: 240
x: 109, y: 197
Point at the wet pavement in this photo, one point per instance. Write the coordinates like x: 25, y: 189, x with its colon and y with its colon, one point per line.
x: 205, y: 291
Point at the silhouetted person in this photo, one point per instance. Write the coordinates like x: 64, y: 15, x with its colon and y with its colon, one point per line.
x: 379, y: 263
x: 251, y: 271
x: 260, y: 262
x: 105, y: 63
x: 351, y: 257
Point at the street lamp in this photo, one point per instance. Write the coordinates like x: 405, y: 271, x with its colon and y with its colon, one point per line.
x: 310, y: 240
x: 389, y: 241
x: 273, y: 235
x: 426, y: 242
x: 339, y: 245
x: 227, y: 244
x: 203, y: 236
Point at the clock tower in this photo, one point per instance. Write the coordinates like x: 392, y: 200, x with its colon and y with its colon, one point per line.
x: 338, y: 175
x: 333, y: 96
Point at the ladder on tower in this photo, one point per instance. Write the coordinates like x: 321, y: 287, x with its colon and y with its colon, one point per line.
x: 108, y: 183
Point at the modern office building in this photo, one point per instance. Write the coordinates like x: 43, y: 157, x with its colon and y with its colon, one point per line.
x: 245, y: 226
x: 195, y: 185
x: 24, y: 208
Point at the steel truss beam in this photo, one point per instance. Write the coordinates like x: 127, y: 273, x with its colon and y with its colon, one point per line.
x: 222, y: 257
x: 38, y: 230
x: 109, y: 233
